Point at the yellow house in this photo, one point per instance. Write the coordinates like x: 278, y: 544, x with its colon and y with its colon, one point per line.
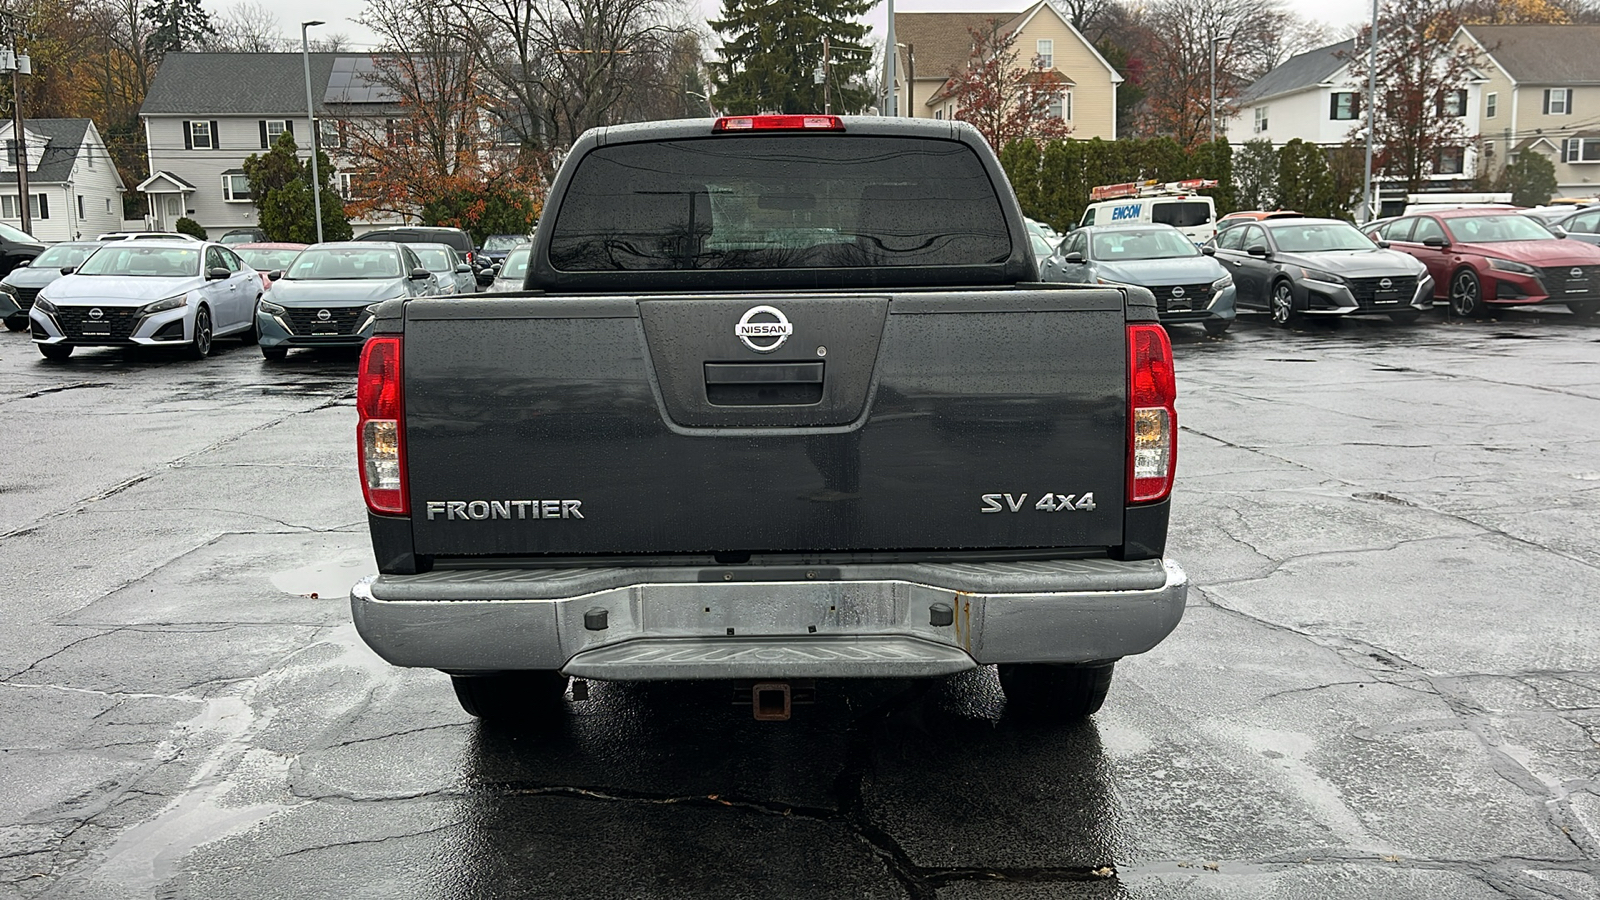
x: 932, y: 46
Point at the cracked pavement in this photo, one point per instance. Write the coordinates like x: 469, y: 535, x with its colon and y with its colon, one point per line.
x: 1387, y: 683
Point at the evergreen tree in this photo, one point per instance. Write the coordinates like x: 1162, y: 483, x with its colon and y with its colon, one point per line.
x: 176, y: 25
x: 280, y: 185
x: 772, y: 48
x: 1255, y: 175
x: 1531, y: 179
x: 1305, y: 182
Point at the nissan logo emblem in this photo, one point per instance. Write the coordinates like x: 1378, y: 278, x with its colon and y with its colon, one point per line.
x: 1177, y: 291
x: 773, y: 325
x: 96, y: 313
x: 1576, y: 273
x: 1385, y: 284
x: 323, y: 315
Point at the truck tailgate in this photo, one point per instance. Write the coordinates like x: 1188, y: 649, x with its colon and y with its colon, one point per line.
x: 960, y: 420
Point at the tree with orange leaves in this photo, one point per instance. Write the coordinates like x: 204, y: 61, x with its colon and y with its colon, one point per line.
x: 1004, y: 99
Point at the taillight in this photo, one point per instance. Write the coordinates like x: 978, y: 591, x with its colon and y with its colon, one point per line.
x: 779, y: 123
x: 1152, y: 418
x: 380, y: 443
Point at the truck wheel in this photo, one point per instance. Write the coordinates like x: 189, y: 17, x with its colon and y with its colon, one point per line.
x: 509, y: 696
x: 1282, y: 305
x: 1584, y: 310
x: 1060, y: 693
x: 1215, y: 327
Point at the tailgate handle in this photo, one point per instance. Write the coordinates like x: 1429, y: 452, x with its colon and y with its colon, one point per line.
x: 764, y: 384
x: 764, y: 373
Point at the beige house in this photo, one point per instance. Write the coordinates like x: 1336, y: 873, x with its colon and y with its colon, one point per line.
x: 934, y: 45
x: 1542, y: 95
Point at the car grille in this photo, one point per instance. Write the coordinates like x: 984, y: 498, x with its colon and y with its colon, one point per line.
x: 1182, y: 297
x: 1559, y: 283
x: 114, y: 323
x: 25, y: 296
x: 1371, y: 292
x: 307, y: 321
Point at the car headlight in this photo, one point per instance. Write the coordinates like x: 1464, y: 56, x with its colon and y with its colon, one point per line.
x: 1222, y: 284
x: 272, y: 309
x: 1317, y: 275
x: 180, y: 300
x: 43, y: 305
x: 1506, y: 265
x: 8, y: 289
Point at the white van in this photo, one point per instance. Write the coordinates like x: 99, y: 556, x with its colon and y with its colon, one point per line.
x: 1193, y: 214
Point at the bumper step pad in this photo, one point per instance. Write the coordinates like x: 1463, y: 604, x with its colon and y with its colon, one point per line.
x: 673, y: 659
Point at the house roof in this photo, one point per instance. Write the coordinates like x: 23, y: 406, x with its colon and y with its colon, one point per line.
x: 943, y: 40
x: 66, y: 139
x: 237, y: 84
x: 1298, y: 73
x: 1542, y: 54
x: 145, y: 185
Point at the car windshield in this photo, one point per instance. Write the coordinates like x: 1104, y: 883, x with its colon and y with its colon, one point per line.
x: 1041, y: 247
x: 1121, y: 246
x: 1185, y: 214
x: 497, y: 242
x: 63, y: 255
x: 1487, y: 229
x: 267, y: 260
x: 344, y: 264
x: 435, y: 259
x: 1314, y: 237
x: 12, y: 234
x: 143, y: 261
x: 516, y: 264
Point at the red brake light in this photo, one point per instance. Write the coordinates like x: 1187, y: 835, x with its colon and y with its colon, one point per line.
x: 1152, y: 416
x: 380, y: 438
x: 779, y: 123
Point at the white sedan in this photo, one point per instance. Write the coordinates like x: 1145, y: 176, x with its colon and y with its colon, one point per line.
x: 178, y: 294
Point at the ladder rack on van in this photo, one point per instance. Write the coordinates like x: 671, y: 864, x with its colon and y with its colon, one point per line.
x: 1150, y: 189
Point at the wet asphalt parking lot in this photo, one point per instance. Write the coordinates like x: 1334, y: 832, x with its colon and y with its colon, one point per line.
x: 1387, y: 683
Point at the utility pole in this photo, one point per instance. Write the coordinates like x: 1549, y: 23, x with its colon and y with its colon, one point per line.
x: 1214, y: 89
x: 18, y: 65
x: 892, y: 106
x: 827, y: 105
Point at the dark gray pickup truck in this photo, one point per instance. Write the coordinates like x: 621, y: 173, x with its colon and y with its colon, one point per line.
x: 782, y: 400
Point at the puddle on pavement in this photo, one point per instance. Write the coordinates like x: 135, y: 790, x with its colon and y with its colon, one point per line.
x: 326, y: 580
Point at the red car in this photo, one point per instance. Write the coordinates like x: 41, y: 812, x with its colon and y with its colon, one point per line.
x: 1481, y: 258
x: 268, y: 257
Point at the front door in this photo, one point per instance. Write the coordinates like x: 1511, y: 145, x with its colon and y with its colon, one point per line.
x: 1437, y: 260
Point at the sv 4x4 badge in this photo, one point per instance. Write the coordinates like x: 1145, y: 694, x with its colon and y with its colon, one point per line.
x: 1050, y: 503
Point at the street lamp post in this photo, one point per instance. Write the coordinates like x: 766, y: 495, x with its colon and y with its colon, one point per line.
x: 1214, y: 42
x: 1372, y: 111
x: 311, y: 117
x: 892, y: 103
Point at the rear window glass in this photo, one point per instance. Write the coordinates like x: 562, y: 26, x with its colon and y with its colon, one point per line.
x: 1184, y: 214
x: 790, y: 202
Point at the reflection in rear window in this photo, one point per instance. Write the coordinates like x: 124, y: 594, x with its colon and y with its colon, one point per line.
x: 1186, y: 214
x: 790, y: 202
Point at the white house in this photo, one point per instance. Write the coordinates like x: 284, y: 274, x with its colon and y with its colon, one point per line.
x: 1314, y: 97
x: 73, y: 187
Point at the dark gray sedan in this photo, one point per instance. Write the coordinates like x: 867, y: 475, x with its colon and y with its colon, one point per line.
x: 1320, y: 267
x: 1190, y: 287
x: 330, y: 294
x: 22, y: 284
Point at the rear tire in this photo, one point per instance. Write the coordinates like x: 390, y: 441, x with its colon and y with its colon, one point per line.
x: 1215, y: 327
x: 1584, y: 310
x: 1055, y: 693
x: 1408, y: 317
x: 510, y: 697
x: 54, y: 351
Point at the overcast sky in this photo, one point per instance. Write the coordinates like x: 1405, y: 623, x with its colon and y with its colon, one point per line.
x: 1337, y: 14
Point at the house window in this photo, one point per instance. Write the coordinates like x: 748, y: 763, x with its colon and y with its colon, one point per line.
x: 275, y: 129
x: 1261, y: 119
x: 235, y: 188
x: 1061, y: 106
x: 80, y: 206
x: 330, y: 135
x: 174, y: 206
x: 1558, y: 101
x: 352, y: 185
x: 1344, y: 105
x: 88, y: 157
x: 1453, y: 104
x: 1046, y: 53
x: 1450, y: 161
x: 108, y: 206
x: 1491, y: 102
x: 938, y: 114
x: 1580, y: 150
x: 200, y: 136
x: 38, y: 206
